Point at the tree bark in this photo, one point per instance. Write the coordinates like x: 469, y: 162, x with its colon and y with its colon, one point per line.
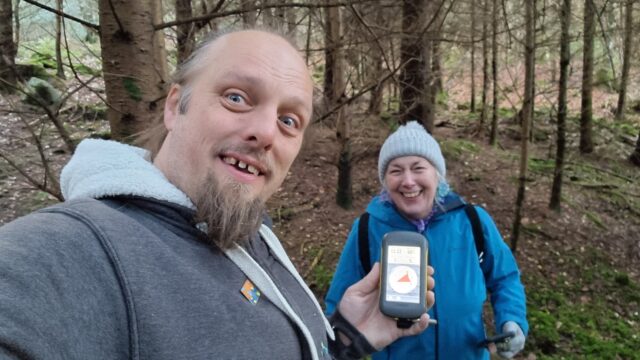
x: 485, y: 62
x: 635, y: 155
x: 184, y: 32
x: 412, y: 79
x: 375, y: 102
x: 7, y: 46
x: 248, y: 16
x: 377, y: 94
x: 429, y: 107
x: 472, y: 106
x: 527, y: 112
x: 59, y: 68
x: 494, y: 72
x: 626, y: 59
x: 436, y: 61
x: 267, y: 14
x: 16, y: 23
x: 331, y: 40
x: 344, y: 193
x: 586, y: 111
x: 565, y: 58
x: 134, y: 63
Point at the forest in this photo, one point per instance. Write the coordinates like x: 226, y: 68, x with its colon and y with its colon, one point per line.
x: 535, y: 103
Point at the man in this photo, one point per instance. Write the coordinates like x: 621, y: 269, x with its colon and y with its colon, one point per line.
x: 164, y: 255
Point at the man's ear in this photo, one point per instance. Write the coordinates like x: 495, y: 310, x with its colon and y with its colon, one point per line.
x: 171, y: 106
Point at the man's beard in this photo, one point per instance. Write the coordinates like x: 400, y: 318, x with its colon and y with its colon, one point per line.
x: 230, y: 216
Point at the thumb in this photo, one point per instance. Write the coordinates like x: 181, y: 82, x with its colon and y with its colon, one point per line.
x: 370, y: 282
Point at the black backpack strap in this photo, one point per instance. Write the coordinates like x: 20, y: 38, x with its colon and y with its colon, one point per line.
x: 476, y: 227
x: 363, y: 242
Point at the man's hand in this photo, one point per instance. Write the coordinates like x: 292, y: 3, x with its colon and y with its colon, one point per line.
x: 360, y: 306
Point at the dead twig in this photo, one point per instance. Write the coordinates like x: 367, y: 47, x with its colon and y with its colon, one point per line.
x: 314, y: 263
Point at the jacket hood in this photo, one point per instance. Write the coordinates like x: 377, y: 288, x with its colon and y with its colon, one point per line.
x: 104, y: 168
x: 386, y: 212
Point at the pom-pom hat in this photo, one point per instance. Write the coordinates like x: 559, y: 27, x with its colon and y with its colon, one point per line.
x: 410, y: 139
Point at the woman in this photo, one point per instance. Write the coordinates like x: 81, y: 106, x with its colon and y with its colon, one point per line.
x: 416, y: 197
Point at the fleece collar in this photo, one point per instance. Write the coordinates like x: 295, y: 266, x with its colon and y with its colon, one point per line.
x: 104, y: 168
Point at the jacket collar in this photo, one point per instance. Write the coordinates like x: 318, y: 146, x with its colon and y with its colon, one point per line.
x: 104, y: 168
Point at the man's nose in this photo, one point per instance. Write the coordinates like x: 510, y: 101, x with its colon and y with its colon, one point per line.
x: 261, y: 129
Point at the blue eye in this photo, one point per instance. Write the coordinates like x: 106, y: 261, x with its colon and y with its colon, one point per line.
x: 288, y: 121
x: 235, y: 98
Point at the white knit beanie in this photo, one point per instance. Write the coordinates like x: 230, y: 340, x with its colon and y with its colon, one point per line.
x: 410, y: 139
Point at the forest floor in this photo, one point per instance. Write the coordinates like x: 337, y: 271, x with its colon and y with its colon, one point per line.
x: 580, y: 266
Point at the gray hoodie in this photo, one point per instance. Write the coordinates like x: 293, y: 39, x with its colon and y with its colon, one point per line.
x: 120, y: 271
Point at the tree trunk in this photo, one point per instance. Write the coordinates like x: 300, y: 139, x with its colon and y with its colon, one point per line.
x: 635, y: 156
x: 134, y: 63
x: 291, y: 22
x: 16, y: 23
x: 7, y: 46
x: 412, y: 79
x: 184, y: 32
x: 485, y: 62
x: 248, y: 16
x: 472, y: 106
x: 375, y: 102
x: 59, y: 68
x: 307, y: 47
x: 436, y: 67
x: 494, y: 72
x: 429, y: 96
x: 586, y: 115
x: 626, y: 59
x: 565, y: 58
x: 436, y: 61
x: 527, y: 112
x: 268, y: 18
x: 344, y: 193
x: 331, y: 35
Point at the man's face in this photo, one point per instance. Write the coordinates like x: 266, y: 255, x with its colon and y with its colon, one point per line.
x: 245, y: 120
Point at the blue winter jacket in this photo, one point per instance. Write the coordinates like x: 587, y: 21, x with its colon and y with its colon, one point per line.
x: 461, y: 281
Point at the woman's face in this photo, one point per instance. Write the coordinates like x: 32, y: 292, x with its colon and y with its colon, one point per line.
x: 412, y: 183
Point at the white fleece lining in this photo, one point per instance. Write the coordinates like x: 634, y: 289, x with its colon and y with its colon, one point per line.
x: 102, y: 168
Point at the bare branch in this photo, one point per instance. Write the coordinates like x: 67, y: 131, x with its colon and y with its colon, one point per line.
x: 375, y: 37
x: 75, y: 73
x: 360, y: 93
x: 255, y: 8
x: 83, y: 22
x: 201, y: 24
x: 54, y: 188
x: 71, y: 146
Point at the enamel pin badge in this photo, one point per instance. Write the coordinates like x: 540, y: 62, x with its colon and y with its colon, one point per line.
x: 250, y: 292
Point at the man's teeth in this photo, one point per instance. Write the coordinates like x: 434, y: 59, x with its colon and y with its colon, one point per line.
x: 229, y: 160
x: 253, y: 170
x: 411, y: 194
x: 241, y: 164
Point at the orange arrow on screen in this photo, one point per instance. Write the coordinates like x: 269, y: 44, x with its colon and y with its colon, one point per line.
x: 405, y: 278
